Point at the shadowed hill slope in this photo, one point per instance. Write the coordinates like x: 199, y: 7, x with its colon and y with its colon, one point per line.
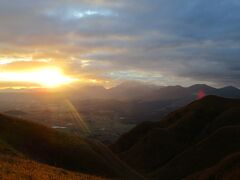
x: 202, y: 155
x: 228, y: 168
x: 55, y: 148
x: 169, y: 149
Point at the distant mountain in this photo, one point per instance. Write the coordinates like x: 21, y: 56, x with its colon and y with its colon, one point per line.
x: 229, y: 91
x: 193, y: 92
x: 169, y: 93
x: 130, y: 90
x: 146, y: 92
x: 45, y: 145
x: 186, y: 141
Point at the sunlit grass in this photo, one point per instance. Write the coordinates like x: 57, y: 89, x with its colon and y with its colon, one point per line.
x: 21, y: 169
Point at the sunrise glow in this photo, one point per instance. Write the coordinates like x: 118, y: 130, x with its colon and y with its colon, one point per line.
x: 47, y: 77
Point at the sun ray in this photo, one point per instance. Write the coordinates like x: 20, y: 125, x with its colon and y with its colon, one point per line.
x: 78, y: 120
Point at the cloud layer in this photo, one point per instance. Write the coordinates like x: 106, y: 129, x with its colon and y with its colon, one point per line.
x: 160, y: 41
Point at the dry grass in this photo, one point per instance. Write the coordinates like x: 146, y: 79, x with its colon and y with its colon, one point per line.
x: 15, y: 168
x: 45, y: 145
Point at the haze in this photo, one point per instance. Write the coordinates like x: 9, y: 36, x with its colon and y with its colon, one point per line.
x: 120, y: 89
x: 105, y: 42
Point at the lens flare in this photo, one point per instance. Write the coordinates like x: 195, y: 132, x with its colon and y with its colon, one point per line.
x: 201, y: 94
x: 77, y: 119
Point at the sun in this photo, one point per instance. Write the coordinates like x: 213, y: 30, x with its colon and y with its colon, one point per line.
x: 49, y: 77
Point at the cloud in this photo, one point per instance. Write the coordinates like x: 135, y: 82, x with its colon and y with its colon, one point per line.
x: 17, y: 85
x: 172, y: 42
x: 20, y: 66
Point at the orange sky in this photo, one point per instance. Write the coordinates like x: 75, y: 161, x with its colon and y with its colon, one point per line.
x: 107, y: 42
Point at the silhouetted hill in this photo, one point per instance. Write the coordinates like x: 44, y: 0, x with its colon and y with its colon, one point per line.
x: 58, y: 149
x: 228, y: 168
x: 188, y: 140
x: 201, y: 155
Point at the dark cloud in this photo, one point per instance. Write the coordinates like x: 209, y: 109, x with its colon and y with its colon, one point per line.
x: 172, y: 42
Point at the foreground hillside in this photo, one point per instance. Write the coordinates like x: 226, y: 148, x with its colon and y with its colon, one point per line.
x: 13, y: 165
x: 186, y: 141
x: 228, y: 168
x: 21, y: 169
x: 45, y: 145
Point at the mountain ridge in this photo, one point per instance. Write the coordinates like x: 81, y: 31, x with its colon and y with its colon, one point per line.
x: 141, y: 91
x: 152, y: 148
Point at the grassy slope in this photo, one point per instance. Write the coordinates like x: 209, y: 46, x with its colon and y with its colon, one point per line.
x: 12, y: 167
x: 202, y: 155
x: 45, y: 145
x: 151, y: 146
x: 228, y: 168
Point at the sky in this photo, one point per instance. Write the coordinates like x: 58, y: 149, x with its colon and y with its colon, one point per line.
x: 165, y: 42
